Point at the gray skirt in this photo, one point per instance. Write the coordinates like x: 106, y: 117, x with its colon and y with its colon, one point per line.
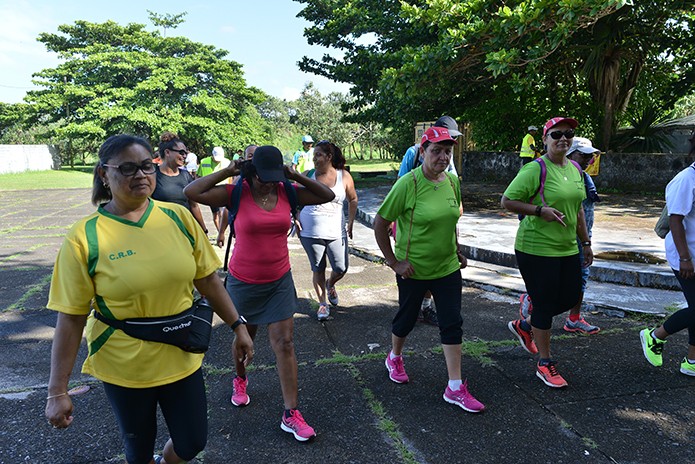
x: 264, y: 303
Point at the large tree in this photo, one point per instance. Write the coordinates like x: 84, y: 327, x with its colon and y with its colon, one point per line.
x: 117, y: 78
x: 529, y: 60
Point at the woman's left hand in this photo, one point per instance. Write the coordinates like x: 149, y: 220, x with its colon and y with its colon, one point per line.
x: 243, y: 345
x: 463, y: 261
x: 588, y: 256
x: 290, y: 173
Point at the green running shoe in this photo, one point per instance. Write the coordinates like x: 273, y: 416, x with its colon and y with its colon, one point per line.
x: 651, y: 347
x: 687, y: 368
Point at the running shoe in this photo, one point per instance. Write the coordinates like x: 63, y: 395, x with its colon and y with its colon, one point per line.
x: 525, y: 306
x: 651, y: 347
x: 239, y: 396
x: 549, y: 375
x: 297, y: 426
x: 687, y: 368
x: 580, y: 326
x: 332, y: 295
x: 323, y: 313
x: 463, y: 399
x: 428, y: 315
x: 524, y: 337
x: 396, y: 369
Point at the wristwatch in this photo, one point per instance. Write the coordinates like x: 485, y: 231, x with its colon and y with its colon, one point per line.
x: 241, y: 320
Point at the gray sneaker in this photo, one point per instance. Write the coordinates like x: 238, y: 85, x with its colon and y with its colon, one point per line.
x: 428, y: 315
x: 332, y: 295
x: 580, y: 326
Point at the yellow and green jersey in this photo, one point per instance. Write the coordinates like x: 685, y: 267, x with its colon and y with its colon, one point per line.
x: 128, y: 269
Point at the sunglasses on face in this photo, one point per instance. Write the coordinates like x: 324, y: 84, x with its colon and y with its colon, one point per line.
x: 182, y: 152
x: 129, y: 169
x: 557, y: 135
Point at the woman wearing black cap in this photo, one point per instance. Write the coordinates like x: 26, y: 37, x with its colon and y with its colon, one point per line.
x: 260, y: 281
x: 546, y: 242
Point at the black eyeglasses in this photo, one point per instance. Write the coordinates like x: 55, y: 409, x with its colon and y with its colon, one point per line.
x: 557, y: 135
x: 129, y: 169
x: 181, y: 152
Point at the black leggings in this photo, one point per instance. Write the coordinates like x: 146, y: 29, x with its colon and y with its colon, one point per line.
x: 553, y: 283
x: 184, y: 407
x: 447, y: 298
x: 685, y: 318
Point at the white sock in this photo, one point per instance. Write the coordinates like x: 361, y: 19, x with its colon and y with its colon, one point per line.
x: 426, y: 302
x: 655, y: 337
x: 393, y: 356
x: 691, y: 361
x: 455, y: 384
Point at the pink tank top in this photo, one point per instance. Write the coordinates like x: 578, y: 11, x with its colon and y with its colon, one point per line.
x: 260, y: 253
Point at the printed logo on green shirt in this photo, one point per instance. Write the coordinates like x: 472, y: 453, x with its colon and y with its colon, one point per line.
x: 121, y: 254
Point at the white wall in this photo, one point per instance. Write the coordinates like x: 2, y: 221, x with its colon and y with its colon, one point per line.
x: 20, y: 158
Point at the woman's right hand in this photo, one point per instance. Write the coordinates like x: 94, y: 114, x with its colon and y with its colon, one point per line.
x: 550, y: 214
x: 243, y: 345
x: 59, y: 411
x: 403, y: 269
x: 686, y: 269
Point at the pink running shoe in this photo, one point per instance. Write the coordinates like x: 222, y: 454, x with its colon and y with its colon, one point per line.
x: 297, y: 426
x: 396, y: 369
x: 239, y: 396
x: 463, y: 399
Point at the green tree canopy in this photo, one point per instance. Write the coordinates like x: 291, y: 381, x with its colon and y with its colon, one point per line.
x: 524, y: 61
x: 126, y: 79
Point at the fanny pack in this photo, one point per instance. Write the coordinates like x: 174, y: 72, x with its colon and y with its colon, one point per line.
x: 189, y: 330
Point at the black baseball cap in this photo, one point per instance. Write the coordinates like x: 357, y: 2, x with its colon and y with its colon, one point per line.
x: 268, y: 163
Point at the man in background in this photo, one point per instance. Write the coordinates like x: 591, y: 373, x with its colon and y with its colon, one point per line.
x: 211, y: 164
x: 303, y: 160
x: 528, y: 146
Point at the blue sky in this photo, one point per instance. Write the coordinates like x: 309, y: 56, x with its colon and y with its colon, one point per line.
x: 265, y: 36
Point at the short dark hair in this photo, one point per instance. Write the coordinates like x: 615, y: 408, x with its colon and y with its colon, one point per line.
x: 443, y: 142
x: 110, y: 149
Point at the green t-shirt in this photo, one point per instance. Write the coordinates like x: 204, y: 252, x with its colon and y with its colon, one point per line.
x: 434, y: 208
x: 564, y: 191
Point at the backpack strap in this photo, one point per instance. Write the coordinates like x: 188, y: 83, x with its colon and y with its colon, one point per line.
x: 232, y: 210
x: 541, y: 181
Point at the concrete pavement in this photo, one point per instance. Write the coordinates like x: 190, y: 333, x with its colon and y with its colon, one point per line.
x: 617, y: 409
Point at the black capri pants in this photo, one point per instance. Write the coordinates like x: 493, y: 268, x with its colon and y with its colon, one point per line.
x: 447, y: 297
x: 184, y: 407
x: 684, y: 318
x: 553, y: 282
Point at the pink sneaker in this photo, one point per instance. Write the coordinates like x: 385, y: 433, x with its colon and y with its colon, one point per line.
x: 396, y: 369
x: 297, y: 426
x: 239, y: 396
x: 463, y: 399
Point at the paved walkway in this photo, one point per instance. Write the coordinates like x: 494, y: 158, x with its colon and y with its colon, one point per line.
x: 617, y: 409
x: 488, y: 240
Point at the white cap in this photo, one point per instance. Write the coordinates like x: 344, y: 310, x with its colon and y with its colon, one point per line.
x: 218, y: 153
x: 532, y: 128
x: 583, y: 145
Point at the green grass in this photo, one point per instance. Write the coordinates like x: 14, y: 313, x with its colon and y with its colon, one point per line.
x: 373, y: 165
x: 62, y: 179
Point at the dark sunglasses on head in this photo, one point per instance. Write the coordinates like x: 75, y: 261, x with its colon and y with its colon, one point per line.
x: 182, y: 151
x: 557, y: 135
x: 129, y: 169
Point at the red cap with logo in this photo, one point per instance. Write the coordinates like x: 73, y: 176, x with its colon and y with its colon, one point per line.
x: 436, y: 134
x: 557, y: 120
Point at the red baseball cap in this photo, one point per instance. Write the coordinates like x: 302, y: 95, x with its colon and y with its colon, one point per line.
x: 436, y: 134
x: 557, y: 120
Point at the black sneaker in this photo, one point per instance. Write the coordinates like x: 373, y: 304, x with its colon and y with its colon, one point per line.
x: 428, y: 315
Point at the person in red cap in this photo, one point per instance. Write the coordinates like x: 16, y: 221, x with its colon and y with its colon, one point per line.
x: 546, y: 241
x: 426, y: 203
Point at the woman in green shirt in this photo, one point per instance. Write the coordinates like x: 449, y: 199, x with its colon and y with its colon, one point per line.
x: 426, y: 203
x: 546, y: 247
